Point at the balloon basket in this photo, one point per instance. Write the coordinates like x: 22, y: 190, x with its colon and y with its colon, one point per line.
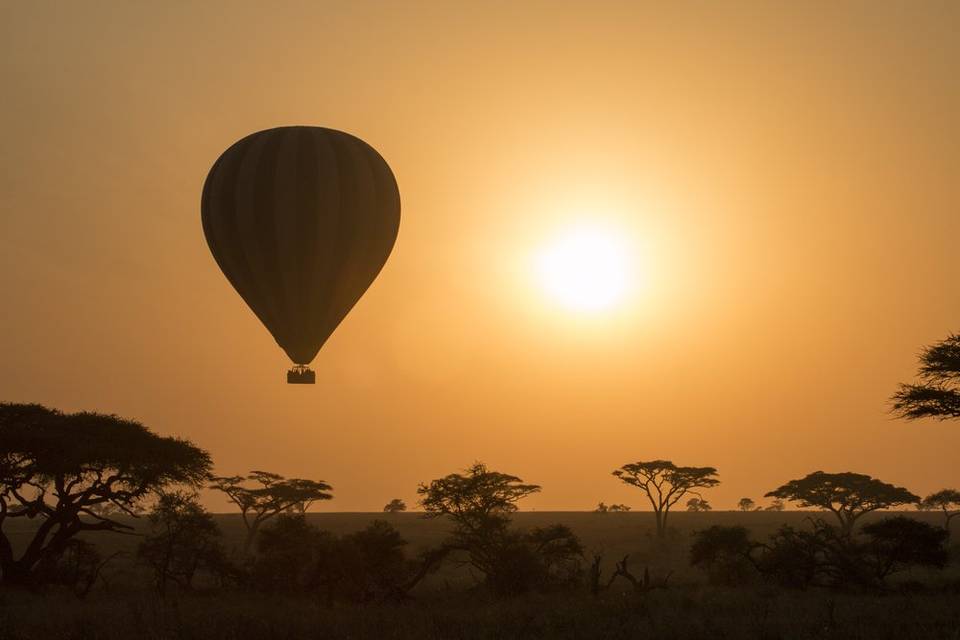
x: 301, y: 374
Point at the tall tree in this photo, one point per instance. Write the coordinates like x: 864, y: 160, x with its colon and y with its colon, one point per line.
x: 62, y: 467
x: 274, y: 495
x: 946, y: 500
x: 746, y: 504
x: 847, y: 495
x: 665, y: 484
x: 936, y: 394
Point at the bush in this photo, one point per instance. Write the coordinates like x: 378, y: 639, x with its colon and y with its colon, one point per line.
x: 77, y: 568
x: 369, y: 565
x: 184, y: 541
x: 724, y: 553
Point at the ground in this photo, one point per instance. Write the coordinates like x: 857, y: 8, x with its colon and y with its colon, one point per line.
x: 926, y: 606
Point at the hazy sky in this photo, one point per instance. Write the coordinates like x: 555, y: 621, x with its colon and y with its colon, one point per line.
x: 787, y: 174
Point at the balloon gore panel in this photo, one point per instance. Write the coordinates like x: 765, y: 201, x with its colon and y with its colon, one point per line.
x: 300, y: 220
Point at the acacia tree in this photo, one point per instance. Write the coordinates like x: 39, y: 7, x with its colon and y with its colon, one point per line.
x: 746, y: 504
x: 697, y: 505
x: 664, y: 484
x: 946, y: 500
x: 480, y: 502
x: 274, y: 496
x: 64, y: 467
x: 847, y: 495
x: 936, y: 394
x: 395, y: 506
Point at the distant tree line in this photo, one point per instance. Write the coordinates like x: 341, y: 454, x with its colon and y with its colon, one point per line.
x: 87, y: 472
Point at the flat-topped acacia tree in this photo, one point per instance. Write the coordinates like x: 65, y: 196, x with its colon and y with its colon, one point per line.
x: 847, y: 495
x: 936, y: 394
x: 665, y: 484
x: 947, y: 501
x: 274, y: 496
x: 65, y: 468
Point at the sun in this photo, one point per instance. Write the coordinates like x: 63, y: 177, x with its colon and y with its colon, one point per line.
x: 585, y: 268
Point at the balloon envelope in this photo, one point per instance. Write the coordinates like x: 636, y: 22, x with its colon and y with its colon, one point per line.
x: 300, y: 220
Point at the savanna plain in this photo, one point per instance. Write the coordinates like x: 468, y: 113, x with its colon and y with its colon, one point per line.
x: 676, y: 601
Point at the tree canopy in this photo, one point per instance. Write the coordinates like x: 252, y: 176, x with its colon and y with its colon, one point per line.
x: 847, y: 495
x: 274, y: 496
x: 65, y: 467
x: 664, y: 484
x: 947, y: 501
x: 474, y: 498
x: 936, y: 394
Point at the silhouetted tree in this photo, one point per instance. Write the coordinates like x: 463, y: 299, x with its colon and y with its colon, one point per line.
x: 946, y: 500
x: 775, y: 505
x: 665, y: 484
x: 274, y: 496
x: 847, y: 495
x: 602, y: 507
x: 746, y: 504
x: 395, y: 506
x: 698, y: 504
x: 936, y: 394
x: 61, y: 467
x: 183, y: 540
x: 480, y: 502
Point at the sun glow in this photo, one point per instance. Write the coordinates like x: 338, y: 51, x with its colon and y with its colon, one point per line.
x: 586, y: 268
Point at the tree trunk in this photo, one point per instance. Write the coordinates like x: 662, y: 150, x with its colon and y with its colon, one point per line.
x: 661, y: 524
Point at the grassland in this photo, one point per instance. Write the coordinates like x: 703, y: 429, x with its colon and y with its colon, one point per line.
x: 927, y: 605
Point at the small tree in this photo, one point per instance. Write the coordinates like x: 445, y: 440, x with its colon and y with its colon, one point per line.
x: 847, y: 495
x: 274, y: 496
x: 937, y: 392
x: 665, y: 484
x: 746, y: 504
x: 184, y: 539
x: 946, y: 500
x: 480, y: 502
x: 698, y: 505
x: 63, y: 467
x: 602, y: 507
x: 395, y: 506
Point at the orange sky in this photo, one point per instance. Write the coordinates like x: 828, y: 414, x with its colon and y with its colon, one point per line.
x: 789, y: 174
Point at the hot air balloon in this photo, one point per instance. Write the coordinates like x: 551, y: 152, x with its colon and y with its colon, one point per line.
x: 300, y: 220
